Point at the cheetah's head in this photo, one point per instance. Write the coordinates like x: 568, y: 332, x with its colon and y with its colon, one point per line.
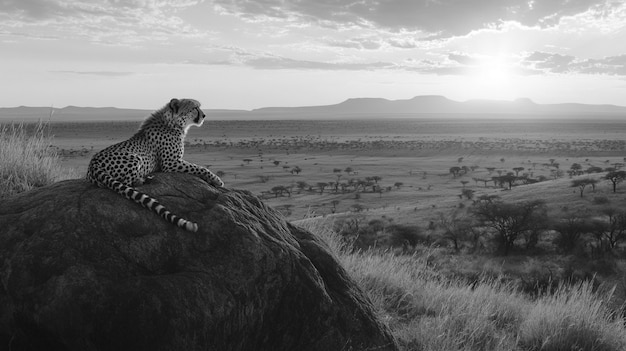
x: 186, y: 113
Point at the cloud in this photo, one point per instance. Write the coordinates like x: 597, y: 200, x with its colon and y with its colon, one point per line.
x: 443, y: 18
x: 236, y: 56
x: 346, y: 44
x: 29, y: 35
x: 451, y: 63
x: 457, y: 64
x: 612, y: 65
x: 556, y: 63
x: 106, y: 21
x: 357, y: 43
x: 277, y: 62
x: 550, y: 62
x: 47, y: 9
x: 423, y: 66
x: 402, y: 43
x: 463, y: 59
x: 98, y: 73
x: 32, y: 9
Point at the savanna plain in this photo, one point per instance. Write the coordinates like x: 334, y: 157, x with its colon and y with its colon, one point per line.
x: 467, y: 233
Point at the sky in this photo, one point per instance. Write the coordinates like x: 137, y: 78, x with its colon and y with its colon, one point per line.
x: 246, y: 54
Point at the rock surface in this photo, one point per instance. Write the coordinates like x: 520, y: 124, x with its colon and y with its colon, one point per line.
x: 83, y: 268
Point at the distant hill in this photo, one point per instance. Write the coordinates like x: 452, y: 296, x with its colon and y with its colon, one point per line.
x: 419, y: 106
x: 442, y: 105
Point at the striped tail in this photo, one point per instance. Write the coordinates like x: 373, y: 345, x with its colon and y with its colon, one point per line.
x: 142, y: 199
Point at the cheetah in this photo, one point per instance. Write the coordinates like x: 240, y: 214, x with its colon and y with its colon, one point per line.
x: 157, y: 146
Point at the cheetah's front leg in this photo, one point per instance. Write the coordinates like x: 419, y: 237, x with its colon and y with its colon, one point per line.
x: 183, y: 166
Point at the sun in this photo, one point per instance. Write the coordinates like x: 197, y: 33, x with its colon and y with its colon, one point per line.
x: 493, y: 78
x: 494, y: 71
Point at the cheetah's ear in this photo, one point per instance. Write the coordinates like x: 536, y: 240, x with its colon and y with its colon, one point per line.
x: 174, y: 105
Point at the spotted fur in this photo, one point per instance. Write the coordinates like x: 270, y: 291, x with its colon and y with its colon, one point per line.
x: 158, y: 146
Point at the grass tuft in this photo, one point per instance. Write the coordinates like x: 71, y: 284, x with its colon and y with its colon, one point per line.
x: 573, y: 318
x: 26, y: 160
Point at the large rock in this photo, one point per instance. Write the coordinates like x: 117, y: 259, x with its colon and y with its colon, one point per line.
x: 83, y: 268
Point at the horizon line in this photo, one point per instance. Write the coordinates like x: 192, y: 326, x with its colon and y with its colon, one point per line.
x: 517, y: 100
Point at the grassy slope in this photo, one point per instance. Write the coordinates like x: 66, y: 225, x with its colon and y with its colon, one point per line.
x: 427, y: 311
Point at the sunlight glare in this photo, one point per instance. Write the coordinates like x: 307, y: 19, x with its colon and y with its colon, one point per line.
x: 493, y: 79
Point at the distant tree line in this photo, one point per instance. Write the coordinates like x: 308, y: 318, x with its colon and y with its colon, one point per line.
x: 506, y: 227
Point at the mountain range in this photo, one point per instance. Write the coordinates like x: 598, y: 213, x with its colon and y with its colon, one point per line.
x: 420, y: 106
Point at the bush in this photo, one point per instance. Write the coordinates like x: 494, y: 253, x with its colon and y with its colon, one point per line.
x: 570, y: 232
x: 26, y: 160
x: 406, y: 236
x: 601, y: 200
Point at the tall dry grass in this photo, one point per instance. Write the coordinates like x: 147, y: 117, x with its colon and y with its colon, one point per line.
x: 427, y: 311
x: 575, y: 317
x: 26, y: 159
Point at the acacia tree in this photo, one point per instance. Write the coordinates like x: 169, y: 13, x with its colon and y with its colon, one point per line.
x: 455, y: 171
x: 594, y: 169
x: 279, y: 190
x: 508, y: 178
x: 509, y: 221
x: 344, y: 187
x: 332, y: 186
x: 570, y: 231
x: 456, y: 228
x: 615, y: 230
x: 296, y: 170
x: 468, y: 193
x: 582, y: 184
x: 322, y: 186
x: 615, y: 177
x: 575, y: 169
x: 301, y: 185
x: 517, y: 170
x: 485, y: 181
x: 334, y: 203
